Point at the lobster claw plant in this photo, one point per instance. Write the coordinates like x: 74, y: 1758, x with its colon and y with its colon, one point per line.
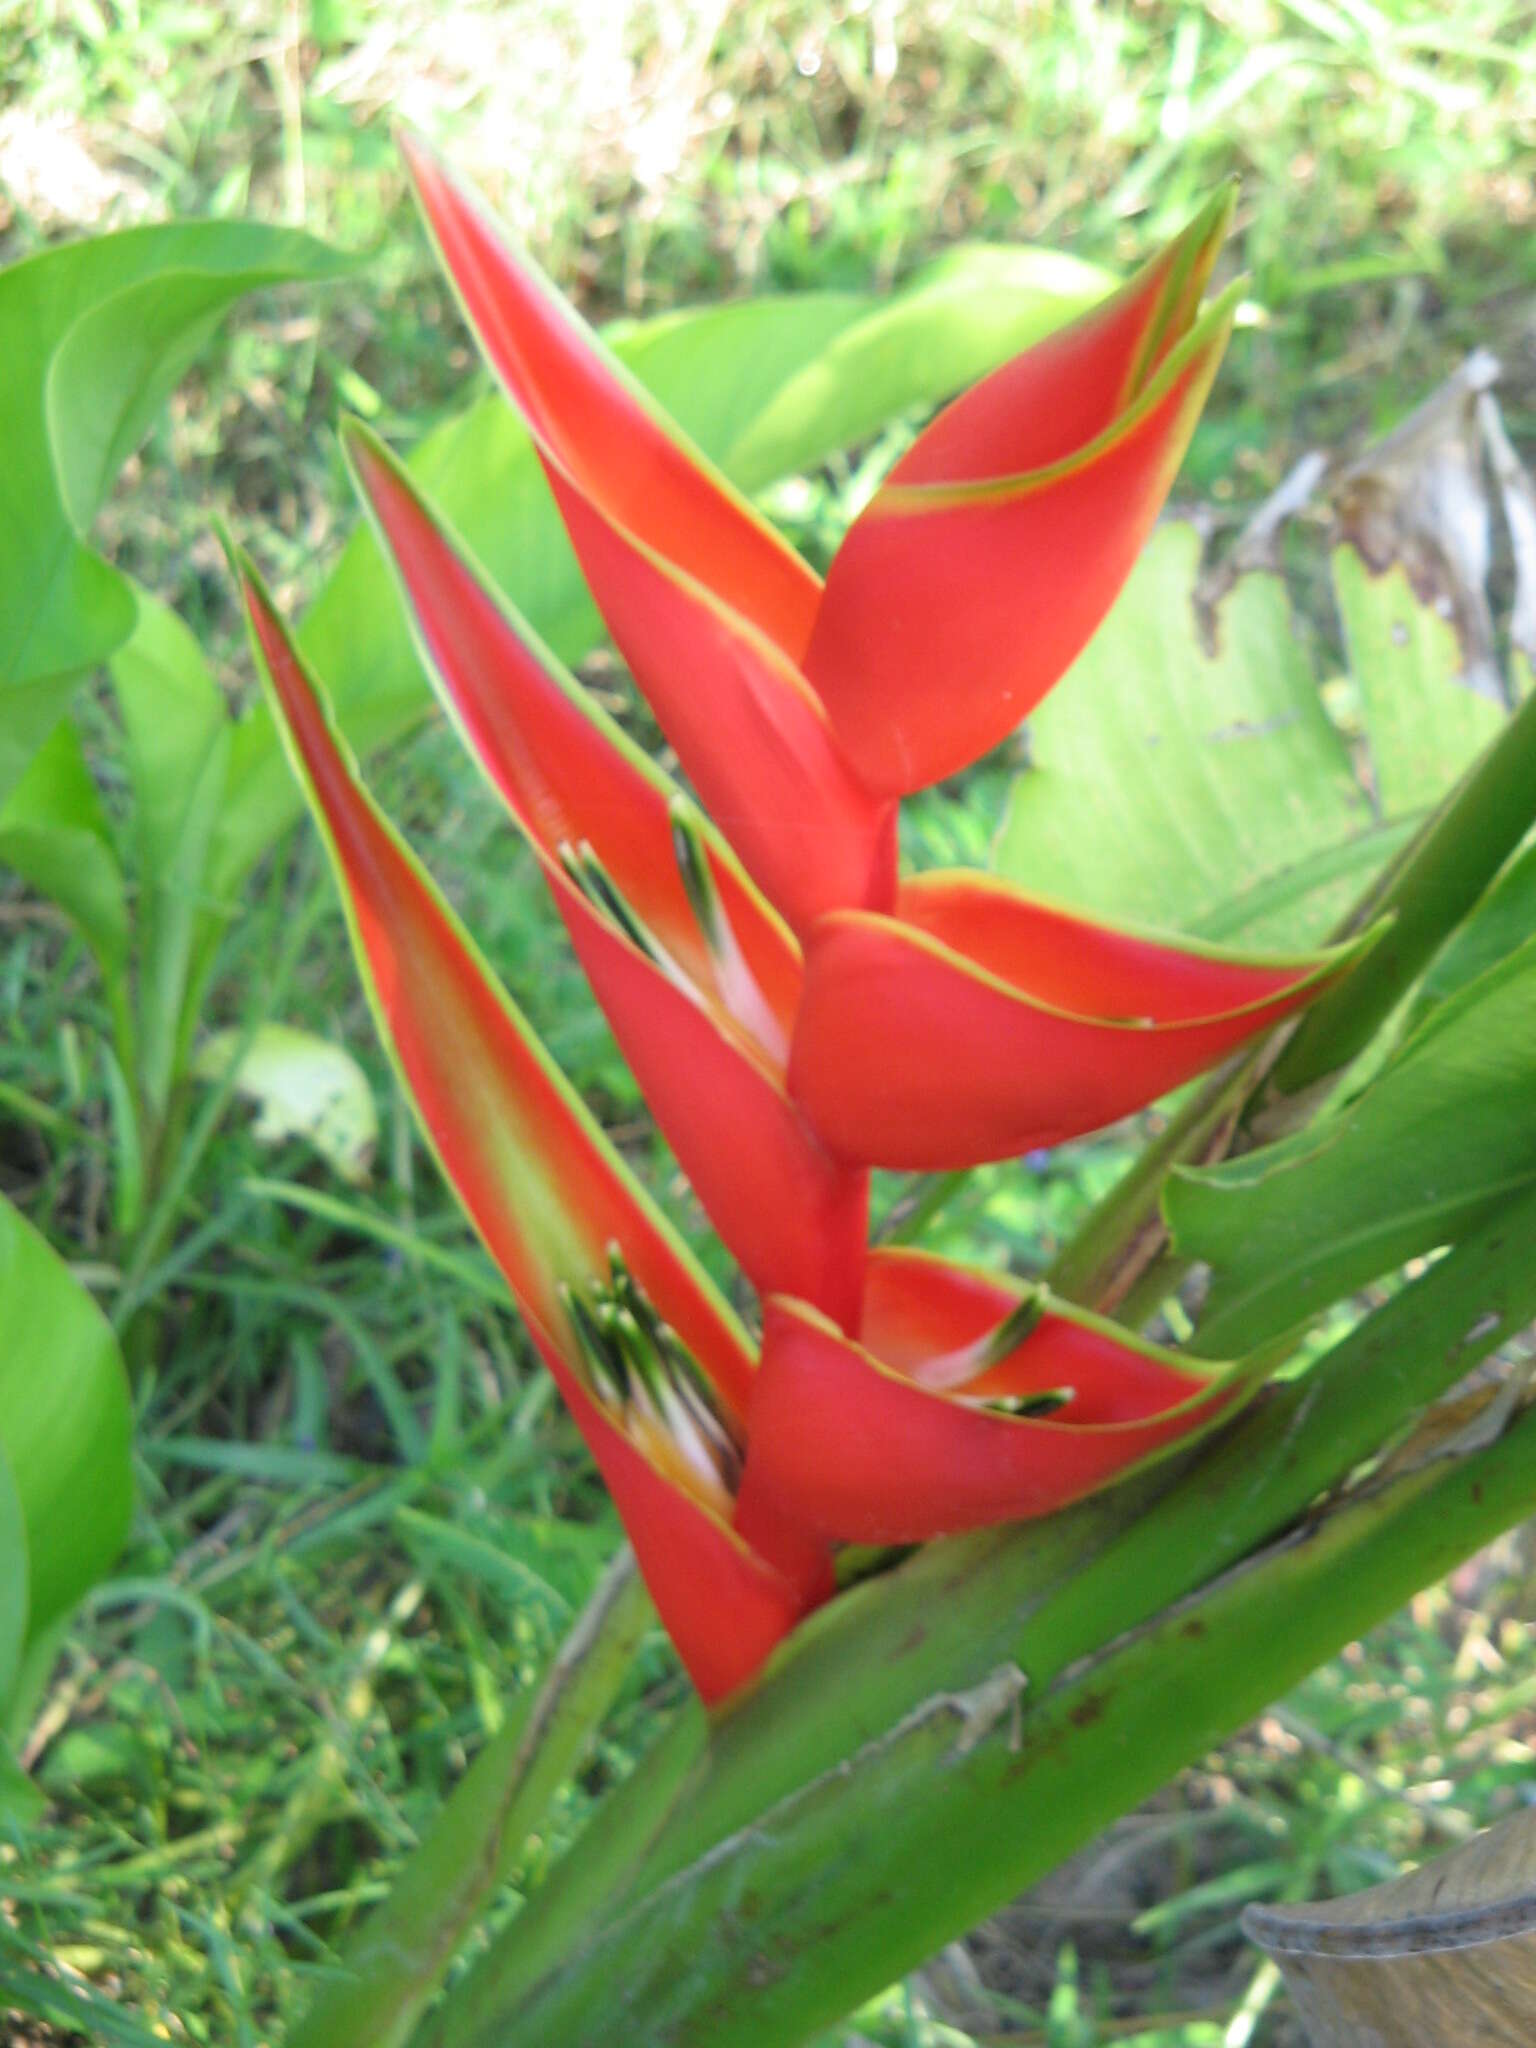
x: 797, y: 1013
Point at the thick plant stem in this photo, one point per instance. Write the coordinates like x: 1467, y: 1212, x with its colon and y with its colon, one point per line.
x: 1124, y: 1234
x: 1042, y: 1598
x: 958, y: 1608
x: 815, y: 1905
x: 405, y: 1947
x: 578, y: 1893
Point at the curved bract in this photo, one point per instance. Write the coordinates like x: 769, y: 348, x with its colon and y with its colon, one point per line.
x: 978, y: 1022
x: 696, y: 974
x: 886, y: 1441
x: 551, y: 1199
x: 794, y: 1012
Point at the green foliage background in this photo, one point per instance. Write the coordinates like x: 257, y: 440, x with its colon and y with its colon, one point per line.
x: 363, y: 1522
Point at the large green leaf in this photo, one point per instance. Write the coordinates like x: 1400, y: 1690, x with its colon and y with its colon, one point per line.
x: 95, y: 335
x: 957, y: 319
x: 1189, y: 776
x: 1502, y: 921
x: 765, y: 386
x: 1193, y: 782
x: 1425, y: 722
x: 1445, y: 1132
x: 1185, y: 772
x: 65, y: 1421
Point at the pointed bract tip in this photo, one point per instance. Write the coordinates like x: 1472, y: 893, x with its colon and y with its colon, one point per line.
x: 412, y: 145
x: 1215, y: 217
x: 366, y: 454
x: 238, y: 562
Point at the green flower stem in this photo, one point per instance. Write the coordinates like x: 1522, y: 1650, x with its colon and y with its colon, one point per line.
x: 573, y: 1900
x: 405, y: 1947
x: 1124, y: 1235
x: 1112, y: 1563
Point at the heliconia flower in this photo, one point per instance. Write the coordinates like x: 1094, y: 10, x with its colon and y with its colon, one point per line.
x: 951, y: 1019
x: 696, y: 973
x: 980, y: 568
x: 968, y: 1400
x: 794, y: 1011
x: 709, y: 606
x: 654, y: 1366
x: 959, y: 595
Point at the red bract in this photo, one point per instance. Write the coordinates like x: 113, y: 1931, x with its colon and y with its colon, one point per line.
x: 794, y: 1012
x: 655, y: 1368
x: 696, y: 973
x: 942, y: 1023
x: 968, y: 1401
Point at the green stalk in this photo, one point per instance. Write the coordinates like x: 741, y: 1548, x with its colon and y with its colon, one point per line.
x: 404, y: 1948
x: 569, y: 1904
x: 1043, y: 1596
x: 174, y: 1177
x: 1123, y: 1234
x: 1114, y: 1562
x: 851, y: 1879
x: 682, y: 1766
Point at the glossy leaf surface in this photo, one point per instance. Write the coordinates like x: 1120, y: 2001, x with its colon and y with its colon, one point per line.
x: 96, y: 334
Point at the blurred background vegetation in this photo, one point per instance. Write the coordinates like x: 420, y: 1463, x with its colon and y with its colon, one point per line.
x: 363, y: 1520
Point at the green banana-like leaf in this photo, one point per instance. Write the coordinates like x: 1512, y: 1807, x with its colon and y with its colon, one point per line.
x: 15, y: 1575
x: 1425, y: 722
x: 177, y: 738
x: 54, y: 833
x: 1185, y: 773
